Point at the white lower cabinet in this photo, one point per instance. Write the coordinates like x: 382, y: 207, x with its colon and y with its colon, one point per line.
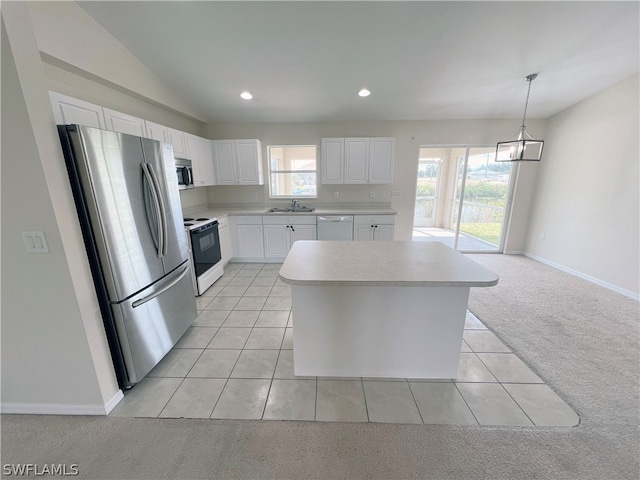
x: 373, y: 227
x: 281, y: 232
x: 224, y: 232
x: 247, y: 231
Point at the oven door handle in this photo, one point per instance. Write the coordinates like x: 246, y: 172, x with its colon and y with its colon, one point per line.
x: 148, y: 298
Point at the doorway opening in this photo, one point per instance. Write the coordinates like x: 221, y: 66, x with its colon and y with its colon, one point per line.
x: 462, y: 198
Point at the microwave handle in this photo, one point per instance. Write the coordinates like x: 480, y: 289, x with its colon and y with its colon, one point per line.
x: 189, y: 176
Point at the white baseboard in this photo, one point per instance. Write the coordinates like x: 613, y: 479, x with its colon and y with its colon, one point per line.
x: 514, y: 252
x: 589, y: 278
x: 115, y: 400
x: 60, y: 408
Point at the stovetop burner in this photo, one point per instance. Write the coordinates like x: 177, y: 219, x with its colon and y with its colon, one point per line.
x: 201, y: 219
x: 188, y: 224
x: 188, y: 219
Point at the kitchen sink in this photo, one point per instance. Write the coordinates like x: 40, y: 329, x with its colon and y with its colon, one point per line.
x: 291, y: 210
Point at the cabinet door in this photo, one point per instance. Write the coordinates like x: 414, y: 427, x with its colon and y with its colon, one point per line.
x: 224, y: 161
x: 249, y: 162
x: 205, y: 162
x: 176, y: 138
x: 362, y: 232
x: 333, y: 160
x: 199, y: 152
x: 225, y: 244
x: 249, y: 241
x: 381, y: 160
x: 68, y: 110
x: 356, y: 160
x: 123, y: 123
x: 303, y: 232
x: 276, y: 240
x: 156, y: 131
x: 383, y: 232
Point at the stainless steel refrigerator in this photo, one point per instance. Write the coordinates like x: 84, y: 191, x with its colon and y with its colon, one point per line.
x: 126, y: 194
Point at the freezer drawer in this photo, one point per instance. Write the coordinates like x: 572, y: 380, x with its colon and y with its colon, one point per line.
x: 149, y: 324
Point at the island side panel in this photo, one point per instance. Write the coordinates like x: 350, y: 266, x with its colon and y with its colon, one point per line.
x: 363, y: 331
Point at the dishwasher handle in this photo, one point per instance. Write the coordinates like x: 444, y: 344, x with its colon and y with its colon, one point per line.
x: 335, y: 219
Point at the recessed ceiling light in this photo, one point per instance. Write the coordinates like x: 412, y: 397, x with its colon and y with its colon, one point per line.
x: 364, y: 92
x: 246, y: 95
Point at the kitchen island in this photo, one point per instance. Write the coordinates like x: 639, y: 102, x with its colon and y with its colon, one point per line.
x: 379, y: 309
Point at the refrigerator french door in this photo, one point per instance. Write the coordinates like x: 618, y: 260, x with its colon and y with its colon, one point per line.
x: 126, y: 194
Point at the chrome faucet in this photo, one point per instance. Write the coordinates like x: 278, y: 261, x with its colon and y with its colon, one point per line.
x: 295, y: 204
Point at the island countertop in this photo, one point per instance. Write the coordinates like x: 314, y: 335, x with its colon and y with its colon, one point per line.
x: 393, y: 263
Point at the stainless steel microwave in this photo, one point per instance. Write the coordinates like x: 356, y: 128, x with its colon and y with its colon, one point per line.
x: 184, y: 171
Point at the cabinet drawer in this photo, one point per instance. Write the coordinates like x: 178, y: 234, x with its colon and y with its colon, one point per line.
x: 289, y: 220
x: 247, y: 220
x: 374, y: 219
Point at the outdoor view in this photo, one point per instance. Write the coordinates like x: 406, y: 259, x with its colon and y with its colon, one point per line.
x: 485, y: 195
x: 484, y: 186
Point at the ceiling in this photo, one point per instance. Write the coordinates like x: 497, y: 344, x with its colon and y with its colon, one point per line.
x: 422, y: 60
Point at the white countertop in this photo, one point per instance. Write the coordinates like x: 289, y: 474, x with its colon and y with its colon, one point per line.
x: 220, y: 212
x: 395, y: 263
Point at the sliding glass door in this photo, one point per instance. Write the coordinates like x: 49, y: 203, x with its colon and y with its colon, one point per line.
x: 471, y: 205
x: 481, y: 200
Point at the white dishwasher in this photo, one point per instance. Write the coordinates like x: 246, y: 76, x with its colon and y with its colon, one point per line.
x: 335, y: 227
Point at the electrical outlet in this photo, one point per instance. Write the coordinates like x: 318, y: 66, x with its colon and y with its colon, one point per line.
x: 336, y: 194
x: 372, y: 194
x: 542, y: 236
x: 254, y: 195
x: 395, y: 194
x: 383, y: 194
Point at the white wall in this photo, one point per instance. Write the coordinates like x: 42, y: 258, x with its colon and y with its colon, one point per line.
x: 75, y: 41
x: 55, y: 358
x: 54, y: 353
x: 587, y: 196
x: 410, y: 136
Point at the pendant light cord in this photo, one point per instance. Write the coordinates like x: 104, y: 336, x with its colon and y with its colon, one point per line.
x: 529, y: 78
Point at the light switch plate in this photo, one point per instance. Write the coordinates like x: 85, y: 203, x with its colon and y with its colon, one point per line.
x: 35, y: 242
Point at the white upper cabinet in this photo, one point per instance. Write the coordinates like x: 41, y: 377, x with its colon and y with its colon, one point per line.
x: 358, y: 160
x: 168, y: 135
x: 382, y: 152
x: 238, y: 162
x: 68, y: 110
x: 123, y: 123
x: 200, y: 154
x: 176, y: 138
x: 332, y: 160
x: 156, y: 131
x: 224, y: 161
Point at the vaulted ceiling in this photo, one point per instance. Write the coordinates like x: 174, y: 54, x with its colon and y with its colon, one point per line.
x: 305, y: 61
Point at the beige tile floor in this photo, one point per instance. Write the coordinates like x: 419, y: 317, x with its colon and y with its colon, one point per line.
x: 236, y: 362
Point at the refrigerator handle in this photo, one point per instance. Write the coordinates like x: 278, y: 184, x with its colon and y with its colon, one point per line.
x: 148, y: 298
x: 154, y: 195
x: 163, y: 210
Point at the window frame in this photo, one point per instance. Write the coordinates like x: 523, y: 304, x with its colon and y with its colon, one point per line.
x: 270, y: 172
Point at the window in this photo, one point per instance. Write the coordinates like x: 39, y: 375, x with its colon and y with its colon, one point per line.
x: 292, y: 171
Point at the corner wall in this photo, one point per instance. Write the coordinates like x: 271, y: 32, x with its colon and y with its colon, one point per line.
x: 587, y: 195
x: 55, y: 358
